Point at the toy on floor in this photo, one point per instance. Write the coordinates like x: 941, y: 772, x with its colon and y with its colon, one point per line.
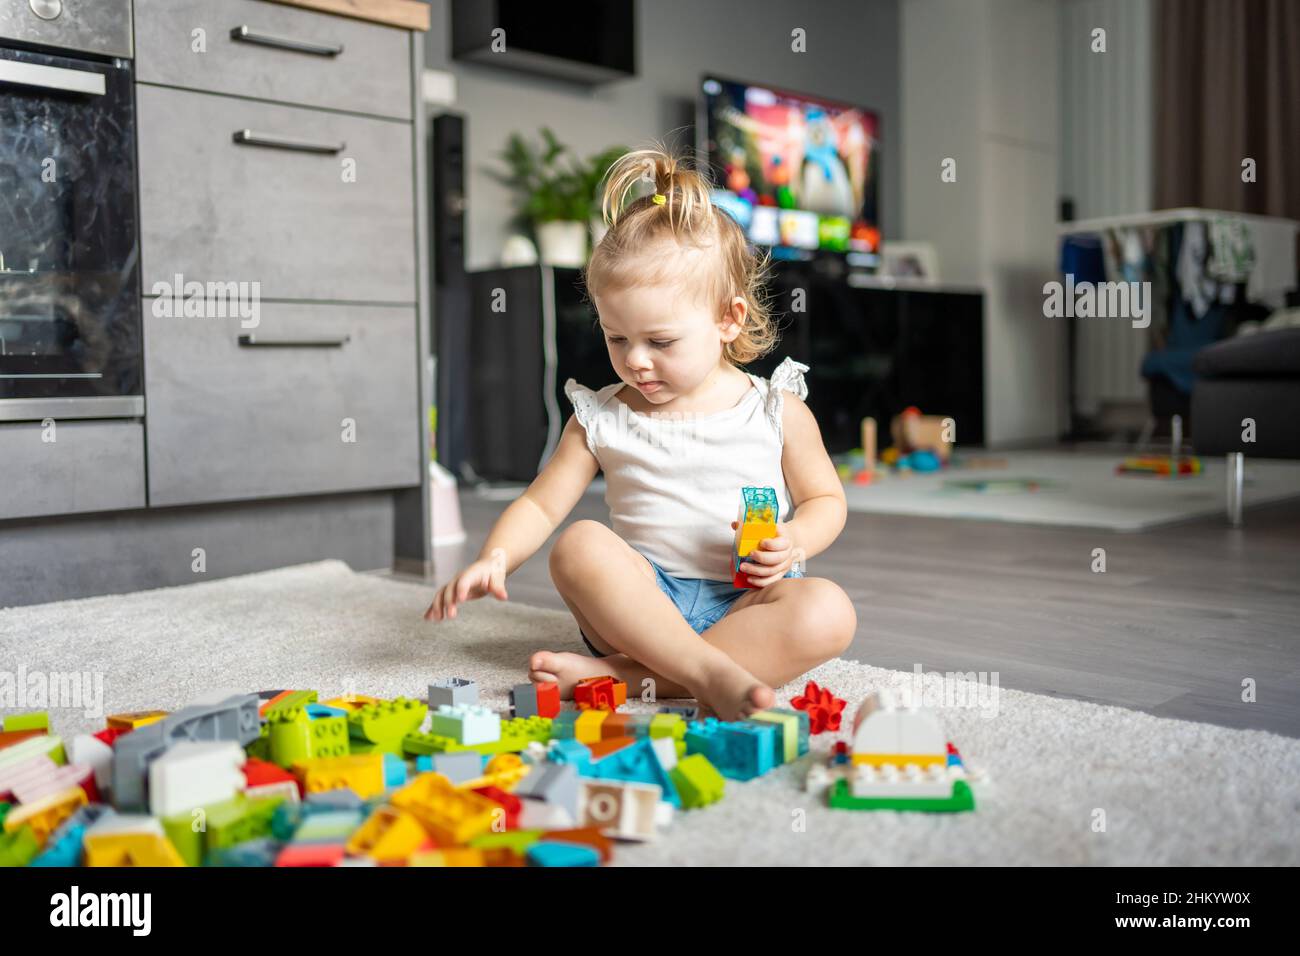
x: 823, y: 707
x: 757, y: 520
x: 284, y: 780
x: 1162, y: 466
x: 898, y: 760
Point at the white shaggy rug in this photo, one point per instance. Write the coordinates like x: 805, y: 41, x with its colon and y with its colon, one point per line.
x: 1079, y: 489
x: 1073, y: 783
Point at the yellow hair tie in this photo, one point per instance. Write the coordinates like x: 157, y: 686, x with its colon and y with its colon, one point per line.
x: 660, y: 199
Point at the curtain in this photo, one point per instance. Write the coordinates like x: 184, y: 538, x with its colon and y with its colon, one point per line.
x: 1227, y: 87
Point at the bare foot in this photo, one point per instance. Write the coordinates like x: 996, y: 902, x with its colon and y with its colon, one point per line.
x: 732, y: 693
x: 566, y: 669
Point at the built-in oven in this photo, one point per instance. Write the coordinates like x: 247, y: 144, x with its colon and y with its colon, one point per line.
x: 70, y: 336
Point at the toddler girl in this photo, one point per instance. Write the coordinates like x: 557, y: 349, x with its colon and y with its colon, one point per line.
x: 678, y: 292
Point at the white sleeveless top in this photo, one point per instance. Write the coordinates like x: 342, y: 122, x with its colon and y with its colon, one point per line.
x: 673, y: 480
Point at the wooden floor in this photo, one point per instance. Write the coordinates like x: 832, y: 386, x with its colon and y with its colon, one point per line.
x: 1180, y: 619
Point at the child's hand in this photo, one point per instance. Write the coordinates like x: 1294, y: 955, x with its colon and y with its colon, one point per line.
x: 485, y: 576
x: 769, y: 562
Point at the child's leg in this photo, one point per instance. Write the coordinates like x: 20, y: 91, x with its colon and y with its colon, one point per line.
x: 603, y: 580
x: 776, y: 633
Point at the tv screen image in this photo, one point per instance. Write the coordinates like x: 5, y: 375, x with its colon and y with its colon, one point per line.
x: 796, y: 171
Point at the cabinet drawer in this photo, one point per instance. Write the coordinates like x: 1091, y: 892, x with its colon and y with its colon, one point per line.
x: 276, y: 53
x: 230, y: 421
x: 89, y: 466
x: 214, y: 210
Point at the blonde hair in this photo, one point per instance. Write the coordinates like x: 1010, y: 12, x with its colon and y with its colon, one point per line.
x: 687, y: 217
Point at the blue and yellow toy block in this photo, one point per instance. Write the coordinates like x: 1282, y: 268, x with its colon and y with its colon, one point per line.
x: 792, y: 731
x: 697, y: 781
x: 64, y: 847
x: 294, y: 736
x: 757, y: 520
x: 739, y: 751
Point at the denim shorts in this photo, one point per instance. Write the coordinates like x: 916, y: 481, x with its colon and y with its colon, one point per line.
x: 703, y: 602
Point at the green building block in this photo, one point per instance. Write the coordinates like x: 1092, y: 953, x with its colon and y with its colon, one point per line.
x: 4, y: 812
x: 698, y: 781
x: 667, y: 725
x: 381, y: 726
x: 36, y: 720
x: 295, y: 736
x: 517, y: 840
x: 235, y: 821
x: 516, y: 734
x: 841, y: 798
x: 18, y: 848
x: 188, y: 841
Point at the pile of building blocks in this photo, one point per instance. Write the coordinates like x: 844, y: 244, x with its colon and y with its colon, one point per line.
x: 898, y: 759
x: 280, y: 778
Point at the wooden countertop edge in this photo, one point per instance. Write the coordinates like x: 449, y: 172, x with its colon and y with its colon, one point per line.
x: 408, y: 14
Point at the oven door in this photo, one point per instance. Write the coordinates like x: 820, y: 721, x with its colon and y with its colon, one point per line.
x: 69, y: 247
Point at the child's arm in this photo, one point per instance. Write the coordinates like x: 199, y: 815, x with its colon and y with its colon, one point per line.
x: 525, y: 525
x: 816, y: 497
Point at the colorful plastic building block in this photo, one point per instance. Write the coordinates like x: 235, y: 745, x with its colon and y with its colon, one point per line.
x: 18, y: 847
x: 824, y: 708
x: 586, y: 728
x: 135, y: 719
x: 295, y: 736
x: 388, y: 836
x: 637, y: 763
x: 599, y: 693
x: 697, y: 781
x: 552, y: 783
x: 960, y: 798
x: 193, y: 774
x: 757, y: 520
x: 740, y: 751
x: 619, y: 808
x: 452, y: 692
x: 450, y: 816
x: 884, y: 733
x: 36, y: 720
x: 363, y: 774
x: 382, y: 725
x: 466, y: 723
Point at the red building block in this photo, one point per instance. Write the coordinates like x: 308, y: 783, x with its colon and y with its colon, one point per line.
x: 548, y: 699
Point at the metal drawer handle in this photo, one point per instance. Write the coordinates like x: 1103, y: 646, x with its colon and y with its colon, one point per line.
x: 253, y: 342
x: 52, y: 77
x: 246, y: 137
x: 243, y: 34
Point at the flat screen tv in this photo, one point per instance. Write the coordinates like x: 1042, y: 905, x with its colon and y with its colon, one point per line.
x: 800, y: 173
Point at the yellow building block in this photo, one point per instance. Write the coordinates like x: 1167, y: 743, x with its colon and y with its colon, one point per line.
x: 449, y: 815
x: 363, y: 774
x: 131, y: 849
x: 45, y: 815
x: 503, y: 771
x: 388, y: 836
x: 586, y: 729
x: 351, y: 702
x: 452, y: 856
x: 135, y: 719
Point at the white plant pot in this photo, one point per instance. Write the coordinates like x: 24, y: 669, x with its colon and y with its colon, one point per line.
x: 563, y: 243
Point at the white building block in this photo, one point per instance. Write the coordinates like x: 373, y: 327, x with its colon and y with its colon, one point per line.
x: 93, y: 752
x: 195, y: 773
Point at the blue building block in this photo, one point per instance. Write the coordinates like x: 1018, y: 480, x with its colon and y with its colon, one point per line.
x: 64, y: 846
x: 636, y: 763
x: 320, y: 710
x: 457, y: 766
x: 394, y: 771
x: 562, y: 725
x: 570, y: 751
x: 739, y: 751
x: 556, y: 853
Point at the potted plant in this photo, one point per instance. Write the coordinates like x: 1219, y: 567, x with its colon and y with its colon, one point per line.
x: 556, y: 192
